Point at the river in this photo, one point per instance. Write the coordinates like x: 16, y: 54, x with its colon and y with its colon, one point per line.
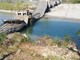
x: 5, y: 16
x: 51, y: 27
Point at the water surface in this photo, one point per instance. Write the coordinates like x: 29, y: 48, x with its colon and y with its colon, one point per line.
x: 6, y: 16
x: 51, y: 27
x: 54, y: 28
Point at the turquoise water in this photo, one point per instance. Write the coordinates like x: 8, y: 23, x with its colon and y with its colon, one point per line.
x: 54, y: 28
x: 51, y: 27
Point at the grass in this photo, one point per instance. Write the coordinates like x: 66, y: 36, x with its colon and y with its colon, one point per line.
x: 71, y: 1
x: 16, y: 6
x: 2, y: 37
x: 23, y: 44
x: 53, y: 58
x: 47, y: 41
x: 24, y: 5
x: 6, y: 6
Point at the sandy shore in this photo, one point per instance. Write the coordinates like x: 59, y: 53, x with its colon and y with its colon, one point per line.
x: 68, y: 11
x: 8, y: 11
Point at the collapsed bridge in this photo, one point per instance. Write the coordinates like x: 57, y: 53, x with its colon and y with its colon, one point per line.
x: 15, y: 25
x: 43, y: 7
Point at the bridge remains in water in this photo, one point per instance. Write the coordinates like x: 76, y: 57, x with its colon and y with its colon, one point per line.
x: 15, y: 25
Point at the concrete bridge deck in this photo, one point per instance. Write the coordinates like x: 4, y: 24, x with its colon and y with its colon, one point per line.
x: 40, y: 10
x: 43, y: 7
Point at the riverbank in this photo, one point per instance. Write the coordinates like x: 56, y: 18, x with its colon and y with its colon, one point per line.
x: 62, y: 19
x: 65, y: 11
x: 18, y: 46
x: 8, y: 11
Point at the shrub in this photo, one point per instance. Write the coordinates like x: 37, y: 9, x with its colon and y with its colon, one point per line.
x: 2, y: 37
x: 78, y: 33
x: 67, y: 38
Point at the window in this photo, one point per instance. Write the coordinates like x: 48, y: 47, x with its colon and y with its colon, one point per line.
x: 19, y: 13
x: 24, y: 13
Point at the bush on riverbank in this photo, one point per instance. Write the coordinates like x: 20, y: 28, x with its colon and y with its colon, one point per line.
x: 78, y: 33
x: 2, y: 37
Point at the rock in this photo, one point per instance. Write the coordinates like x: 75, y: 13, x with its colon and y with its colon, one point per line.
x: 18, y: 52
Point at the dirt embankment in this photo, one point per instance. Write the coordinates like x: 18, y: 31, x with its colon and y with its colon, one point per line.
x: 17, y: 47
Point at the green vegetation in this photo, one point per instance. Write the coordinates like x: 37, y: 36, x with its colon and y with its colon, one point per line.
x: 53, y: 58
x: 22, y: 5
x: 78, y: 33
x: 71, y: 1
x: 46, y: 41
x: 67, y: 38
x: 14, y: 6
x: 23, y: 48
x: 2, y: 37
